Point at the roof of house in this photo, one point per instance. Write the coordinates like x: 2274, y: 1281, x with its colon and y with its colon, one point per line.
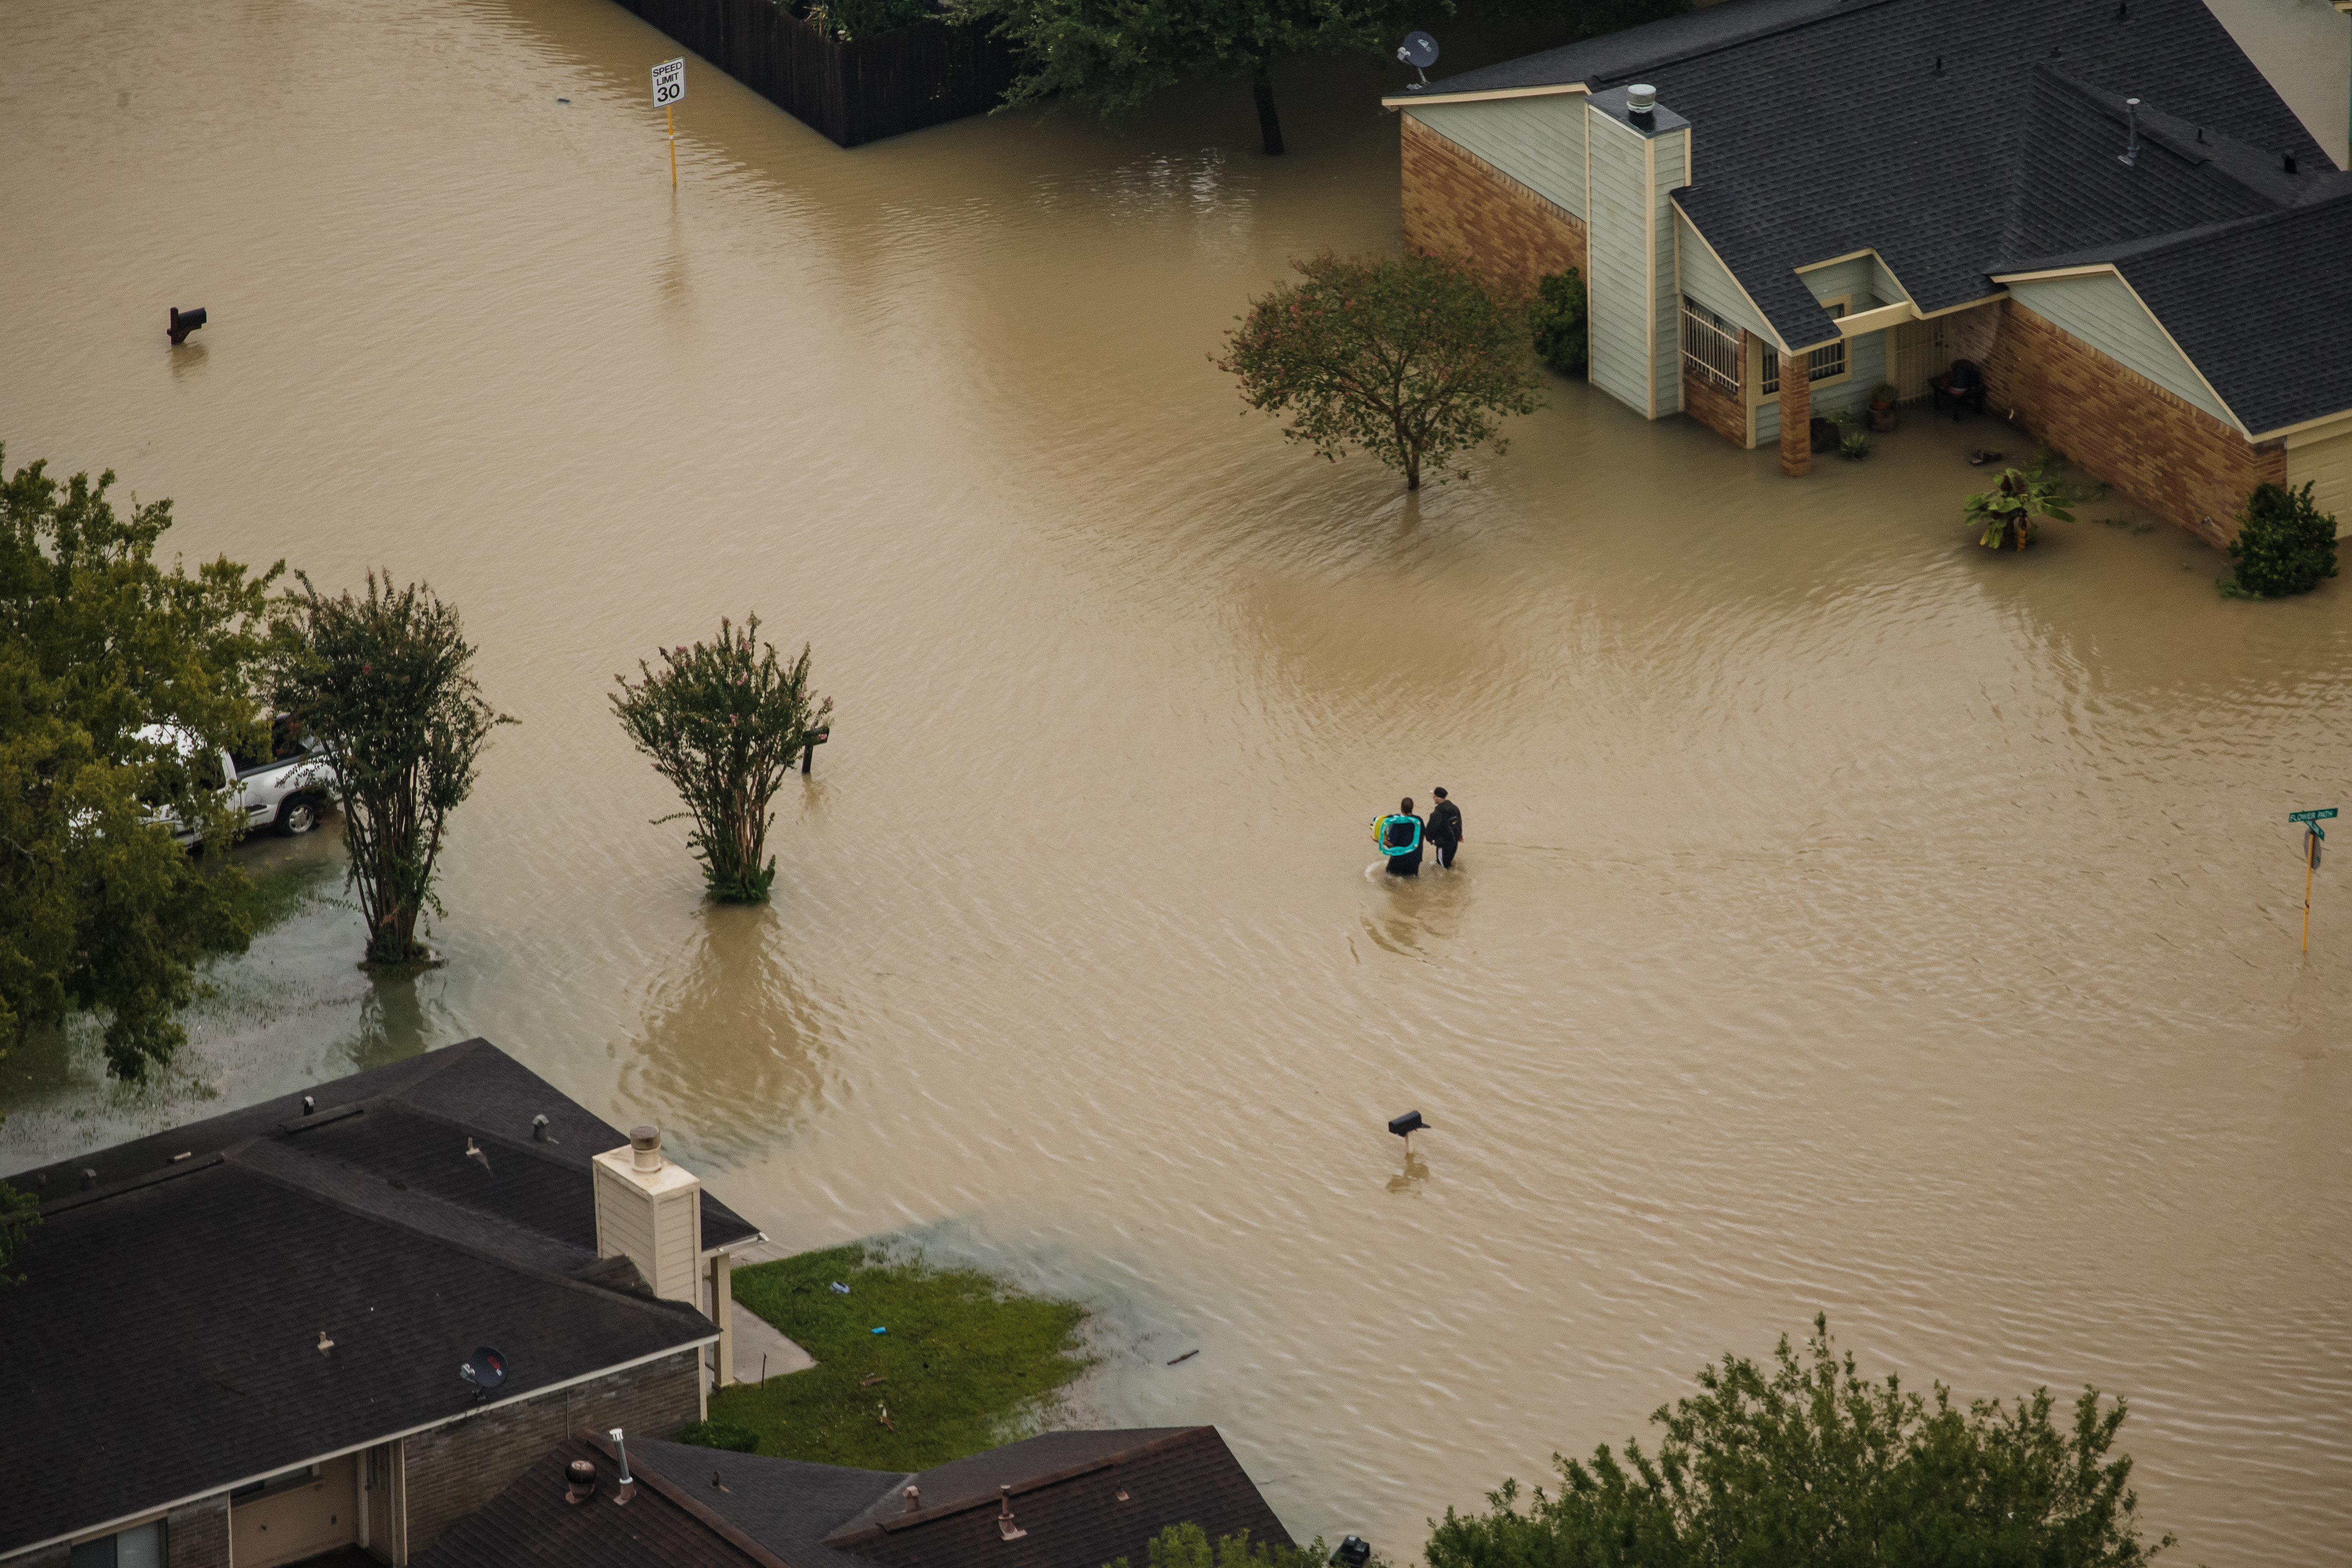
x: 1958, y: 138
x: 1080, y: 1499
x: 165, y: 1342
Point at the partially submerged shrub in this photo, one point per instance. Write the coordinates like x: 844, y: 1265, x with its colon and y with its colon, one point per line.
x: 2285, y: 544
x: 722, y: 721
x: 1557, y: 323
x: 2005, y: 514
x: 1853, y: 446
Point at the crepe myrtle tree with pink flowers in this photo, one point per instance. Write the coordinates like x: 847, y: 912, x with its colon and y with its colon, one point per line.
x: 722, y: 720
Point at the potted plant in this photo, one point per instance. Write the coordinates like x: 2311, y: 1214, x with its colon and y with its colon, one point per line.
x: 1883, y: 398
x: 2006, y: 512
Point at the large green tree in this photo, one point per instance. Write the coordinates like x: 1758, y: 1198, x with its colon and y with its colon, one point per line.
x: 1413, y: 358
x: 1111, y: 55
x: 386, y: 680
x: 1806, y: 1461
x: 99, y: 909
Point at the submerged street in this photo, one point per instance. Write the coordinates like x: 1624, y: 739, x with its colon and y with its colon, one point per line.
x: 1850, y: 920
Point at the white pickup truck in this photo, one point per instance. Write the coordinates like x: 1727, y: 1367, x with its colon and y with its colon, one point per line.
x: 286, y: 789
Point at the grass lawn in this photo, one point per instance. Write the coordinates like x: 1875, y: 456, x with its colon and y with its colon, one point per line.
x: 967, y: 1364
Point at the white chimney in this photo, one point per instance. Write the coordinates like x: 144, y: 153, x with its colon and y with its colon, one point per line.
x: 649, y: 1211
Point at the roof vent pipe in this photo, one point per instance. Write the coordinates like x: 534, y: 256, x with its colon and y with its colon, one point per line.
x: 914, y: 1500
x: 646, y: 1138
x: 621, y: 1455
x: 580, y: 1481
x: 2130, y: 156
x: 1641, y: 99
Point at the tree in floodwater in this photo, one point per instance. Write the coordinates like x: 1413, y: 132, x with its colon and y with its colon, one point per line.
x: 1808, y: 1462
x: 1111, y: 55
x: 1415, y: 359
x: 99, y: 909
x: 722, y: 721
x: 387, y: 682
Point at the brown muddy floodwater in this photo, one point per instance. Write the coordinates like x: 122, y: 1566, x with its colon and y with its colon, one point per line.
x: 1850, y: 920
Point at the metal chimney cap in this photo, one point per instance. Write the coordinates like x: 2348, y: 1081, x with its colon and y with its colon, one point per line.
x: 1641, y: 98
x: 645, y: 1139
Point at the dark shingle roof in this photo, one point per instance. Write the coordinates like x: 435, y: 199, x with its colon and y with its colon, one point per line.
x: 1065, y: 1487
x: 2254, y: 343
x: 165, y: 1343
x: 1953, y: 136
x: 1073, y: 1512
x: 662, y: 1522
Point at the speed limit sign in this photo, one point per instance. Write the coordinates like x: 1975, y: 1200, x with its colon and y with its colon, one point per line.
x: 669, y: 83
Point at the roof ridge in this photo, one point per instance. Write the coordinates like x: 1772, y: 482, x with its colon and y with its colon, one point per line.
x: 695, y: 1507
x: 932, y: 1512
x: 2175, y: 240
x: 661, y: 1306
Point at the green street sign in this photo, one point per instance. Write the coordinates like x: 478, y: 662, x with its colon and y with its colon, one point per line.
x: 2310, y: 815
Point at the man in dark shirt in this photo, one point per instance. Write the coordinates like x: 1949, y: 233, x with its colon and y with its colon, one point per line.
x: 1444, y: 828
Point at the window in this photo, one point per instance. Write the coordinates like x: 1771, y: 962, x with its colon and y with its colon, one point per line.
x: 1710, y: 348
x: 140, y: 1546
x: 1824, y: 364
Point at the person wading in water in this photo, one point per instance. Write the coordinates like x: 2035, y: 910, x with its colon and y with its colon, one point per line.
x: 1396, y: 829
x: 1445, y: 827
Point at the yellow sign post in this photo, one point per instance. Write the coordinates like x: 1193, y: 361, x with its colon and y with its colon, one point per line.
x: 669, y: 86
x: 2313, y: 835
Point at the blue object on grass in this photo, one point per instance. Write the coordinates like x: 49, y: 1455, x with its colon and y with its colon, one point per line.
x: 881, y: 1330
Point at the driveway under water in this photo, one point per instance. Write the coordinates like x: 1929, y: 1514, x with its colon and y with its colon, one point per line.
x: 1850, y: 920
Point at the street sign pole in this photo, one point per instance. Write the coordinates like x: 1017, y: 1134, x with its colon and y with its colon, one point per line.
x: 669, y: 86
x: 2313, y: 835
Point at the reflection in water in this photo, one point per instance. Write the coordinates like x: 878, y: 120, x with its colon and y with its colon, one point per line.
x: 730, y: 1049
x: 401, y: 1015
x: 1409, y: 1180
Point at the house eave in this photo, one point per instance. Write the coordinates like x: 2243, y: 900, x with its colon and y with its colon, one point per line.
x: 1493, y: 95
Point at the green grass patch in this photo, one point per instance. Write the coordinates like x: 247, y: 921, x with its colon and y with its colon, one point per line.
x: 967, y: 1362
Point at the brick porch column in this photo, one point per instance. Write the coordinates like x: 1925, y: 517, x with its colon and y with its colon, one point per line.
x: 1796, y: 415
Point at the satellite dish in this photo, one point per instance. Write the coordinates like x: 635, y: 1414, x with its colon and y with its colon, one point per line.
x: 486, y: 1369
x: 1419, y: 50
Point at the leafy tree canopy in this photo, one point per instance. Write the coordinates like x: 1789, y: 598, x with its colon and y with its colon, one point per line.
x: 1806, y: 1461
x: 1415, y: 359
x: 1112, y: 55
x: 387, y: 681
x: 1187, y: 1546
x: 722, y: 721
x: 99, y: 906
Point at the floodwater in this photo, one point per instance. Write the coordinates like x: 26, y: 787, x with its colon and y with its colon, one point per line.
x: 1850, y: 920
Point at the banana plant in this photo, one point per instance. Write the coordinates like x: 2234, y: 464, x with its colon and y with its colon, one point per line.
x: 2006, y: 513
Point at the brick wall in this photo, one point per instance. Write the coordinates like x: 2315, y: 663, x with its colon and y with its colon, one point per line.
x: 197, y: 1536
x: 455, y: 1469
x: 1456, y: 201
x: 2175, y: 460
x: 1720, y: 411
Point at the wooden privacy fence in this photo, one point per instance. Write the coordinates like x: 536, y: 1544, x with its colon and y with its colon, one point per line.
x: 852, y: 92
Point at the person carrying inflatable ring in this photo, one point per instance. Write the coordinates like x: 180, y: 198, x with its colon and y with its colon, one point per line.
x: 1398, y: 836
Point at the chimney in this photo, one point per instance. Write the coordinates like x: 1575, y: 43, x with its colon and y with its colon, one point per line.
x: 1640, y: 105
x: 649, y: 1211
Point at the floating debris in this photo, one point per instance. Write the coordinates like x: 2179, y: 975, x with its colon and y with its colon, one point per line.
x: 1188, y: 1355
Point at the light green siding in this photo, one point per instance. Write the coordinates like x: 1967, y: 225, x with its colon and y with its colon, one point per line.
x: 1539, y: 142
x: 1619, y: 263
x: 1670, y: 163
x: 2102, y: 313
x: 1845, y: 277
x: 1707, y: 280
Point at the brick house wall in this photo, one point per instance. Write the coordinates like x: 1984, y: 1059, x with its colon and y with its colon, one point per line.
x: 1454, y: 201
x: 197, y: 1536
x: 1724, y: 413
x: 452, y: 1470
x: 2157, y: 450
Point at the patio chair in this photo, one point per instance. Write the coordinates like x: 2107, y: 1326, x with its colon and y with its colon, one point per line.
x: 1963, y: 386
